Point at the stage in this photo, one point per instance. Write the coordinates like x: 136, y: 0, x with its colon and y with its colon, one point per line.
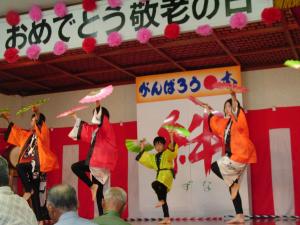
x: 250, y: 222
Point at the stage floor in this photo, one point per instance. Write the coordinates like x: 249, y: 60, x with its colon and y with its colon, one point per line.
x: 252, y: 222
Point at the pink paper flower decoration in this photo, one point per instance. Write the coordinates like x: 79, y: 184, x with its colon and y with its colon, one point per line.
x: 115, y: 3
x: 114, y: 39
x: 35, y: 13
x: 144, y: 35
x: 204, y: 30
x: 238, y: 20
x: 60, y: 9
x: 33, y: 52
x: 60, y: 48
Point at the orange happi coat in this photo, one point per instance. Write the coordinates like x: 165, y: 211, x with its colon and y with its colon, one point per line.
x: 242, y: 149
x: 20, y: 137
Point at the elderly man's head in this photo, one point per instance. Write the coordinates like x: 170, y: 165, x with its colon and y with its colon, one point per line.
x: 61, y: 199
x: 115, y: 199
x: 4, y: 180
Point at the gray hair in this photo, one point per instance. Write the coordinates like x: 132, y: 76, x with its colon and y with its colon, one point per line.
x: 4, y: 179
x: 63, y: 197
x: 116, y: 195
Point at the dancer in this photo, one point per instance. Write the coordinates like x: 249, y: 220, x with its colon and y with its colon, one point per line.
x: 102, y: 155
x: 36, y: 159
x: 162, y: 162
x: 239, y: 150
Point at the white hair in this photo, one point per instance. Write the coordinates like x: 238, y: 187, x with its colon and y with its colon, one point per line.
x: 115, y: 195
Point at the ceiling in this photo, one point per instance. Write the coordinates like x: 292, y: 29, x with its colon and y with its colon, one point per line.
x: 255, y: 47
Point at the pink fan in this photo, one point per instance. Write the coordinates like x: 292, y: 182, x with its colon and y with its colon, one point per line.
x: 234, y: 87
x: 197, y: 101
x: 97, y: 95
x: 71, y: 111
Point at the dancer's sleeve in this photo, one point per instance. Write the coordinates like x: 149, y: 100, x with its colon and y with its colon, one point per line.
x: 214, y: 123
x: 241, y: 121
x: 16, y: 135
x: 172, y: 153
x: 147, y: 160
x: 42, y: 131
x: 82, y: 131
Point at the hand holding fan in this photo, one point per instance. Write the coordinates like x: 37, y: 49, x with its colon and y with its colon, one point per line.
x: 26, y: 108
x: 181, y: 131
x: 71, y: 111
x: 97, y: 95
x: 198, y: 102
x: 134, y: 145
x: 4, y: 113
x: 234, y: 87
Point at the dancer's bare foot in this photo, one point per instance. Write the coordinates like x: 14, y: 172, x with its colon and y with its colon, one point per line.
x: 94, y: 189
x: 166, y: 220
x: 27, y: 195
x: 160, y: 204
x: 234, y: 190
x: 238, y: 219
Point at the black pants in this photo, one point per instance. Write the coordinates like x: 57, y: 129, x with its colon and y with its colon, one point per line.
x: 161, y: 191
x: 30, y: 184
x: 237, y: 202
x: 80, y: 169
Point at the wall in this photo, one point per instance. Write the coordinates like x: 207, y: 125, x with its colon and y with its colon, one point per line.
x: 272, y: 87
x: 121, y: 105
x: 268, y: 88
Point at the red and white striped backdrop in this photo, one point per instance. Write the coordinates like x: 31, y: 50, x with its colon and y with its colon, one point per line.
x: 275, y: 180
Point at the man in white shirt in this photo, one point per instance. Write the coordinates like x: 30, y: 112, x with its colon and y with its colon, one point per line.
x: 14, y: 210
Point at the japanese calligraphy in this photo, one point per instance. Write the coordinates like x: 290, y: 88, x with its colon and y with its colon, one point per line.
x: 229, y: 10
x: 115, y: 12
x: 228, y: 78
x: 40, y: 32
x: 68, y: 18
x: 175, y: 9
x: 204, y: 12
x: 18, y: 37
x: 143, y: 15
x: 144, y: 89
x: 87, y: 21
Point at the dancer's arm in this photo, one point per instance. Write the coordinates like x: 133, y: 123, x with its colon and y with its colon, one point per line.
x: 82, y: 130
x: 172, y: 143
x: 14, y: 134
x: 145, y: 158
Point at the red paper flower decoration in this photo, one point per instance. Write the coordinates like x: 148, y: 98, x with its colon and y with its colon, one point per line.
x: 89, y: 5
x: 89, y: 44
x: 11, y: 55
x: 13, y: 18
x: 172, y: 31
x: 271, y: 15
